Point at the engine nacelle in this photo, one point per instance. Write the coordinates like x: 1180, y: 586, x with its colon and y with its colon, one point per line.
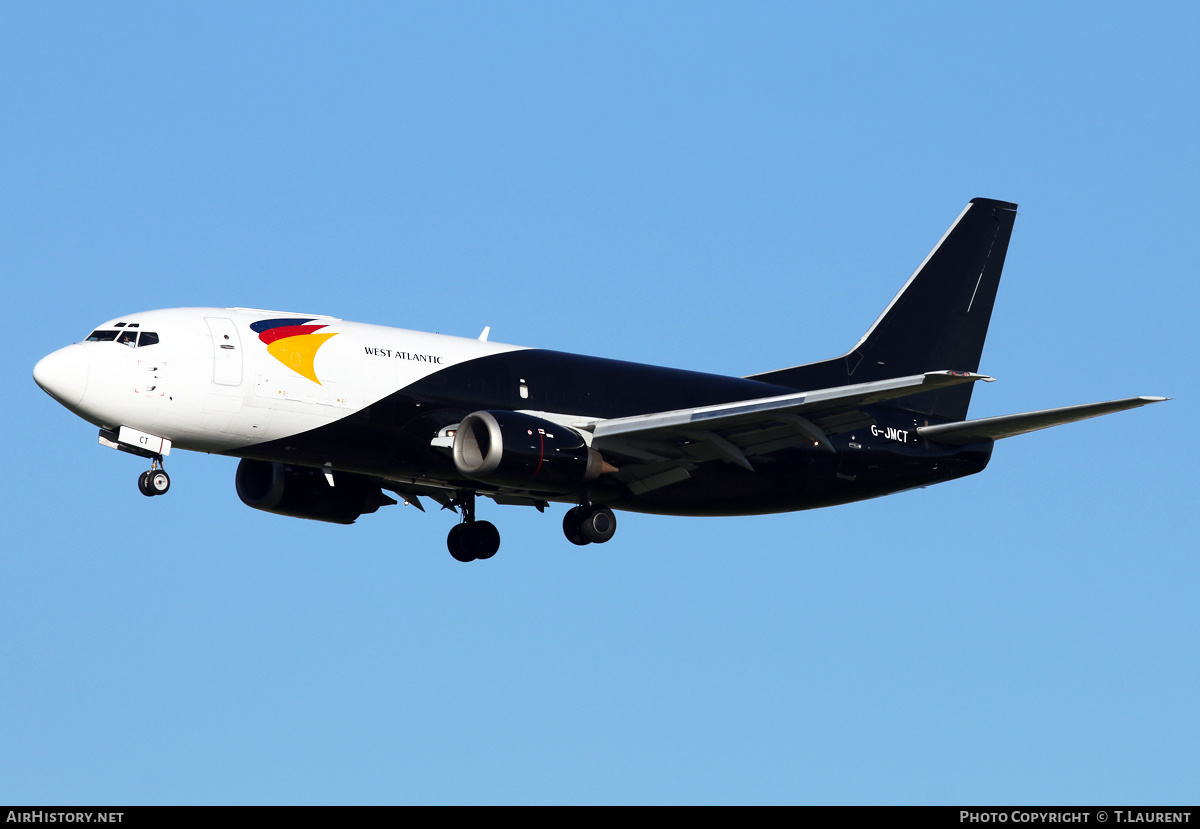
x: 520, y: 450
x: 303, y: 492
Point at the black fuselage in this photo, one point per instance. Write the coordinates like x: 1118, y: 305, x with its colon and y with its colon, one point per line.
x: 390, y: 438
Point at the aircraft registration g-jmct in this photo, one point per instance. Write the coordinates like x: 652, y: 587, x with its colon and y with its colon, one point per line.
x: 329, y: 416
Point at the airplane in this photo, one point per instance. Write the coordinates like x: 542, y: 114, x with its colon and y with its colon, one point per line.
x: 328, y: 416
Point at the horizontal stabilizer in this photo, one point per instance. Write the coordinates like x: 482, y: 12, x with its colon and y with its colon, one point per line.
x: 1005, y: 426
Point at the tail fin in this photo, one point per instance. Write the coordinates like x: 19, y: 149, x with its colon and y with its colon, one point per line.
x: 938, y: 320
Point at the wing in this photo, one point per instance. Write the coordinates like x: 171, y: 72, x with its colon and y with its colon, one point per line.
x: 661, y: 448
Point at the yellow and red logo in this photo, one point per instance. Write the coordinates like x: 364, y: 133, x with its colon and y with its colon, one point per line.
x: 293, y: 342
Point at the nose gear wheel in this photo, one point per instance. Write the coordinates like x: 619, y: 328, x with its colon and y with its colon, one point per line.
x: 155, y: 480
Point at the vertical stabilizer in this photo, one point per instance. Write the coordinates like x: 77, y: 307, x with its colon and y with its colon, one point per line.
x: 939, y: 320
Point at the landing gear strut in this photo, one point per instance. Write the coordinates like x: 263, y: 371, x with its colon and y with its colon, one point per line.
x: 471, y: 539
x: 589, y: 524
x: 154, y: 481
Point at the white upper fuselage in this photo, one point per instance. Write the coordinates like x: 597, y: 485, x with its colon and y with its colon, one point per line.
x: 212, y: 384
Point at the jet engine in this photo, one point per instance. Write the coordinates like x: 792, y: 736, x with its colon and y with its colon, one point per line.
x: 523, y: 451
x: 303, y: 492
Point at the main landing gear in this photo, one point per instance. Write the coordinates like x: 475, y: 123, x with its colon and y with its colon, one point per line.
x: 471, y: 539
x: 589, y: 524
x: 154, y: 481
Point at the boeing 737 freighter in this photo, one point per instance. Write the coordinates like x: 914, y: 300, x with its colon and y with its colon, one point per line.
x: 329, y: 416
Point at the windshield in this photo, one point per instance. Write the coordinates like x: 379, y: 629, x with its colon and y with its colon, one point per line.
x: 128, y: 337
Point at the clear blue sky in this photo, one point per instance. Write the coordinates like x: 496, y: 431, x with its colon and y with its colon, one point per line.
x: 731, y: 188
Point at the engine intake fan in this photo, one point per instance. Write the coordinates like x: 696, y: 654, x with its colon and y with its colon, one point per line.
x: 519, y: 450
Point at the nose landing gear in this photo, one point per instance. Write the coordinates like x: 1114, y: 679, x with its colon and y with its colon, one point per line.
x: 154, y: 481
x: 471, y: 539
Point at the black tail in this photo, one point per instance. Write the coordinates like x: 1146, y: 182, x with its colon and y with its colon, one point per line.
x: 938, y: 320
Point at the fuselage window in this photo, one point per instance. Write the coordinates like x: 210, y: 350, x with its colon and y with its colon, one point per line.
x: 101, y: 336
x: 147, y: 338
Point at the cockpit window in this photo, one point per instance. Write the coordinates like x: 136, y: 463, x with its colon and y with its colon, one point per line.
x: 126, y: 337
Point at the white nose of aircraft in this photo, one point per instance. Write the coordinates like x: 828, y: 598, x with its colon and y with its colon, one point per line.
x: 64, y: 374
